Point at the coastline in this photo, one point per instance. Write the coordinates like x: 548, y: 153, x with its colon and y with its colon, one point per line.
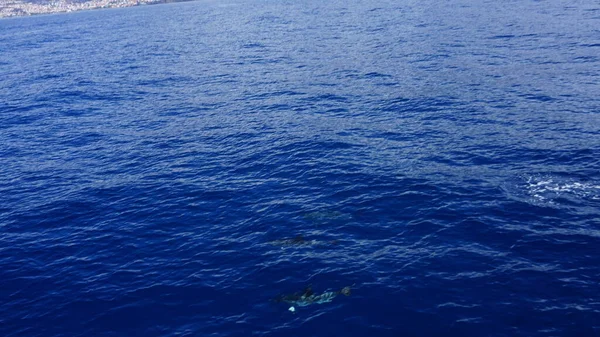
x: 18, y: 8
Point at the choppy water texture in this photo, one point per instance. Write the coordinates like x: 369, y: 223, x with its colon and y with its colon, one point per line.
x: 443, y: 157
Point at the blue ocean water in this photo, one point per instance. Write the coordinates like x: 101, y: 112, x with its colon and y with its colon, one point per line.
x: 170, y: 170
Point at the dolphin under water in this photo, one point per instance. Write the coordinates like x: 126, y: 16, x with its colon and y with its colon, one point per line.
x: 299, y: 240
x: 308, y: 297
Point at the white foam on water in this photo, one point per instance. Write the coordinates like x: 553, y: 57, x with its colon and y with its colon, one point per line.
x: 547, y: 189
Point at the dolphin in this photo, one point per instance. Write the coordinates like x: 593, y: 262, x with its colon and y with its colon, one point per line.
x: 308, y: 297
x: 299, y: 240
x: 326, y: 215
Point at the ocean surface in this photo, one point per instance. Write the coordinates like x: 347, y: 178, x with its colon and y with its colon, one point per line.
x: 174, y: 170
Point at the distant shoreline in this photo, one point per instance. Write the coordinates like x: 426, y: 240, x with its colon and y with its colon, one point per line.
x: 19, y: 8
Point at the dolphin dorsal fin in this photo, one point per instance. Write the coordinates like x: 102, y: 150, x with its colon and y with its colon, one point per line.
x: 308, y: 291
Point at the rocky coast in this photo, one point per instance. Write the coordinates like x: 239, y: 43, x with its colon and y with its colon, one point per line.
x: 11, y: 8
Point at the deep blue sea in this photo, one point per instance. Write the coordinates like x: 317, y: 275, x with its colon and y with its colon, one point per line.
x: 173, y: 170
